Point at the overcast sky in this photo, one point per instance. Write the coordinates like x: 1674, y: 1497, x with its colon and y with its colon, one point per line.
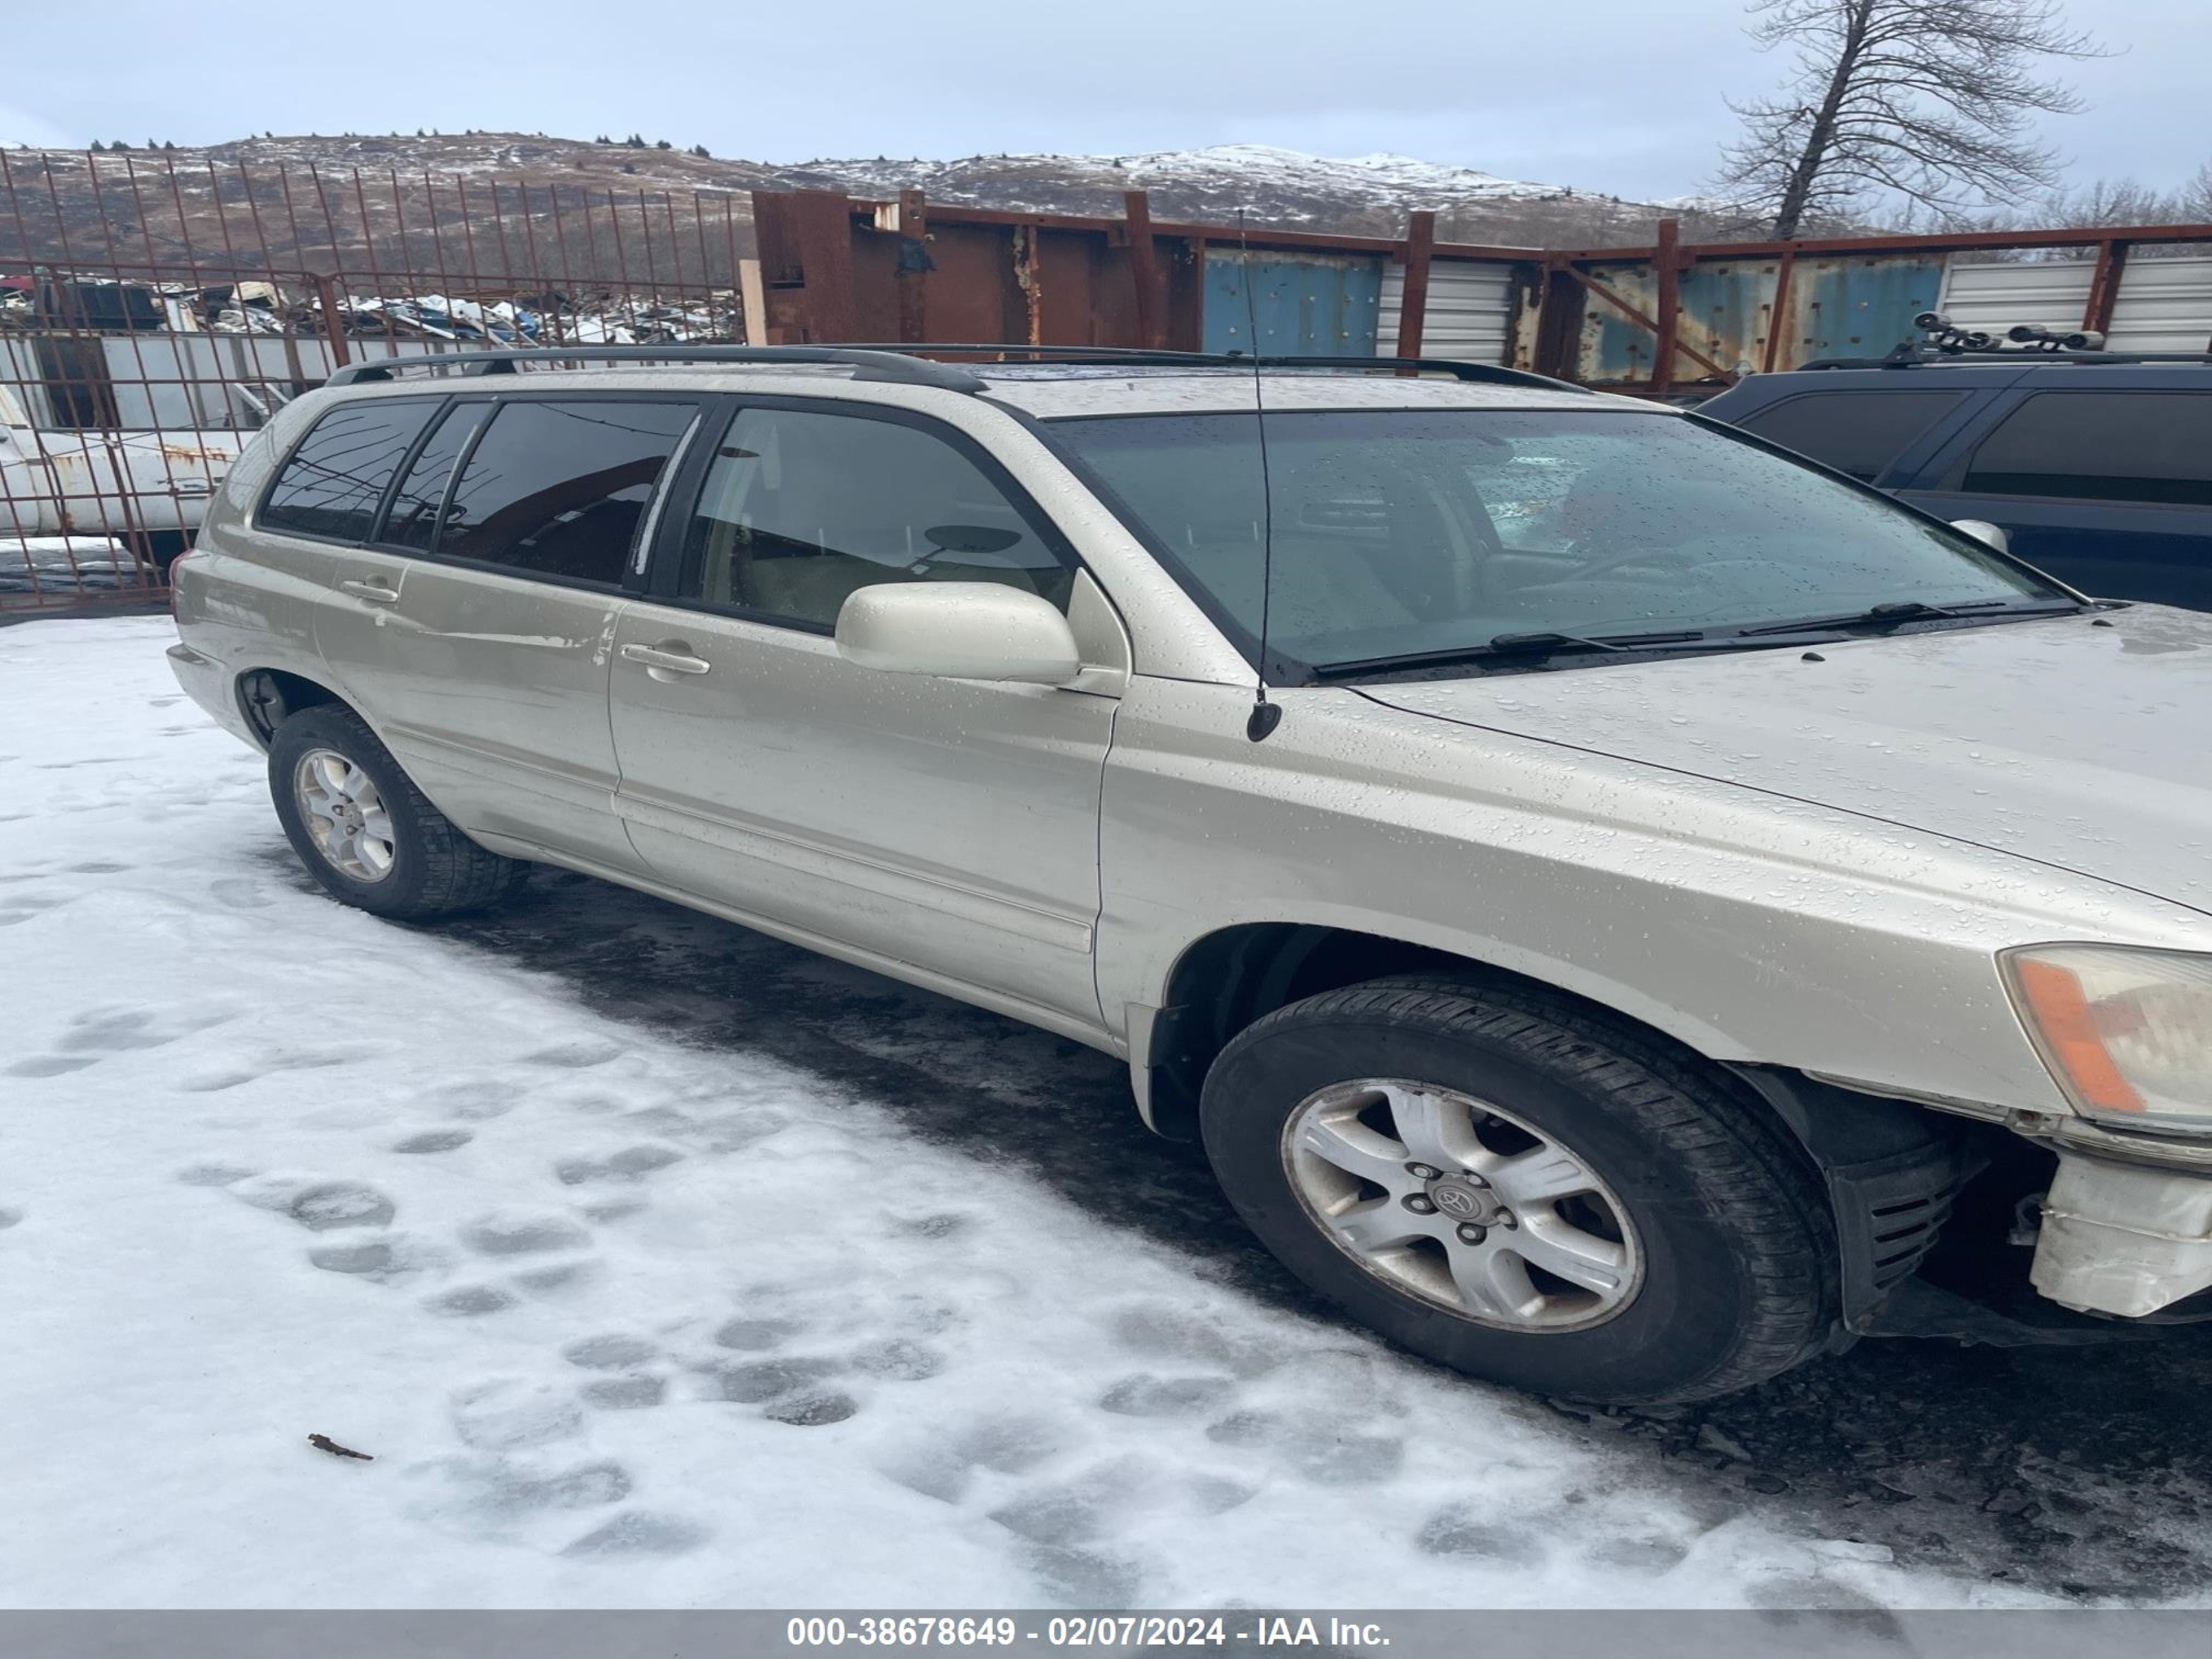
x: 1617, y: 95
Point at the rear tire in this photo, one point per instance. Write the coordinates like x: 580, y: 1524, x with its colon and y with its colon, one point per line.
x: 1698, y: 1243
x: 366, y: 832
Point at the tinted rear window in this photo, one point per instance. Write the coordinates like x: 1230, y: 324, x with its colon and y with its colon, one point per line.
x: 1860, y: 432
x: 334, y: 481
x: 2102, y: 446
x: 557, y: 489
x: 413, y: 520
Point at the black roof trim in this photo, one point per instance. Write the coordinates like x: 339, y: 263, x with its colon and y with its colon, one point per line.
x: 1158, y: 357
x: 868, y: 365
x: 1994, y: 359
x: 909, y: 365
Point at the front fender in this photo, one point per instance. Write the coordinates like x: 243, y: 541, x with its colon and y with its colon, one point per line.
x: 1750, y: 929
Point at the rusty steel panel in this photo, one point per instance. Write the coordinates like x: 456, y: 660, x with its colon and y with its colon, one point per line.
x: 912, y: 265
x: 1861, y: 246
x: 1859, y: 306
x: 1833, y: 306
x: 1412, y: 286
x: 971, y: 292
x: 1151, y: 297
x: 1039, y: 284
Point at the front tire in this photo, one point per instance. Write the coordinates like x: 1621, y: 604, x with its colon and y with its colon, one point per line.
x: 366, y: 832
x: 1515, y: 1187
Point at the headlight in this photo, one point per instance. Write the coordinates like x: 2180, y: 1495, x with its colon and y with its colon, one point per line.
x: 2127, y: 1032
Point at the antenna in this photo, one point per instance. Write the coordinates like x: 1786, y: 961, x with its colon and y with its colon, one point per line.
x: 1266, y: 716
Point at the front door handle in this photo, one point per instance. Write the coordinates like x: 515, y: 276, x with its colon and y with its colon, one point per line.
x: 671, y: 657
x: 374, y: 592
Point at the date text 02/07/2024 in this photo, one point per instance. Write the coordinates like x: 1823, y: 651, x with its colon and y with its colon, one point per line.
x: 955, y: 1632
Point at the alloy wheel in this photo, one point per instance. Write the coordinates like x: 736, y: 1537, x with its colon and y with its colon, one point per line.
x: 344, y: 815
x: 1462, y: 1204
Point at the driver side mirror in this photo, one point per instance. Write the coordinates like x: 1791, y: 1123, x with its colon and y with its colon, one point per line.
x: 1990, y: 535
x: 958, y: 630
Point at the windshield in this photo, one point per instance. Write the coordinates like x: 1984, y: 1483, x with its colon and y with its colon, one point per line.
x: 1407, y: 532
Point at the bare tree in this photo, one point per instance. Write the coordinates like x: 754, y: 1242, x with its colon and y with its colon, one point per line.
x: 1926, y: 99
x: 2115, y: 202
x: 2196, y: 196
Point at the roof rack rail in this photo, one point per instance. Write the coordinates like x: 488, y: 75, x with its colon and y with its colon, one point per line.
x: 1920, y: 359
x: 890, y: 365
x: 906, y: 365
x: 1156, y: 358
x: 1494, y: 374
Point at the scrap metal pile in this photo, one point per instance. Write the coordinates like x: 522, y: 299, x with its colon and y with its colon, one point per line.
x: 48, y: 300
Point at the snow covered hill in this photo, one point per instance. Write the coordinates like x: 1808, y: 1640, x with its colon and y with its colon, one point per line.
x: 1361, y: 195
x: 1273, y: 187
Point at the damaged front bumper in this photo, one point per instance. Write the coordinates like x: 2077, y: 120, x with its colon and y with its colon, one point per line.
x: 2124, y: 1239
x: 2127, y: 1221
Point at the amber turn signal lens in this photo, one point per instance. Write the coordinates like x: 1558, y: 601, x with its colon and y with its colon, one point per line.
x: 2068, y: 1027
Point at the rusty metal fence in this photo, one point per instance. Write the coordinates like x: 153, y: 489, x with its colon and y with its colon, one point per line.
x: 156, y: 310
x: 155, y: 313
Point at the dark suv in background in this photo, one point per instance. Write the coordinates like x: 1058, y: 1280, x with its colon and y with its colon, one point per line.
x: 2100, y: 467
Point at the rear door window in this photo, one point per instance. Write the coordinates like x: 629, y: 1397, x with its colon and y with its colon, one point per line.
x: 336, y: 479
x: 1860, y: 432
x: 412, y: 521
x: 557, y: 488
x: 2102, y: 446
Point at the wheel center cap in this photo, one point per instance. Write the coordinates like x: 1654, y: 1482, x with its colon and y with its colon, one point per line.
x: 1462, y: 1200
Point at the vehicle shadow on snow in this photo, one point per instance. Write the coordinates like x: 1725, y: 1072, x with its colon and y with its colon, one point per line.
x: 2082, y: 1469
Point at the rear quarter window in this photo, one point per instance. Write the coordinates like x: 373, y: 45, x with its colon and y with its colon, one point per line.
x: 1860, y: 432
x: 332, y: 483
x: 2154, y: 447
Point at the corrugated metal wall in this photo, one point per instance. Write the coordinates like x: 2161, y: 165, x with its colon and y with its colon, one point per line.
x: 1993, y: 297
x: 1305, y: 303
x: 1469, y: 312
x: 2163, y: 305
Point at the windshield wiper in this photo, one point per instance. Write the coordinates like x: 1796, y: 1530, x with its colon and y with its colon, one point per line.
x: 1904, y: 610
x: 1547, y: 641
x: 1544, y: 644
x: 1813, y: 630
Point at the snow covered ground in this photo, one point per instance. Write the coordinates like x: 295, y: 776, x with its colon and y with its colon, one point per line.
x: 626, y: 1322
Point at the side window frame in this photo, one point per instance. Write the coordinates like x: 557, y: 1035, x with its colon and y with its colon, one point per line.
x: 672, y: 509
x: 377, y: 537
x: 655, y: 509
x: 1959, y: 465
x: 438, y: 400
x: 671, y: 570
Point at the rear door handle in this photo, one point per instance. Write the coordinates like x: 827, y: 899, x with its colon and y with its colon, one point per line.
x: 661, y: 660
x: 375, y: 593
